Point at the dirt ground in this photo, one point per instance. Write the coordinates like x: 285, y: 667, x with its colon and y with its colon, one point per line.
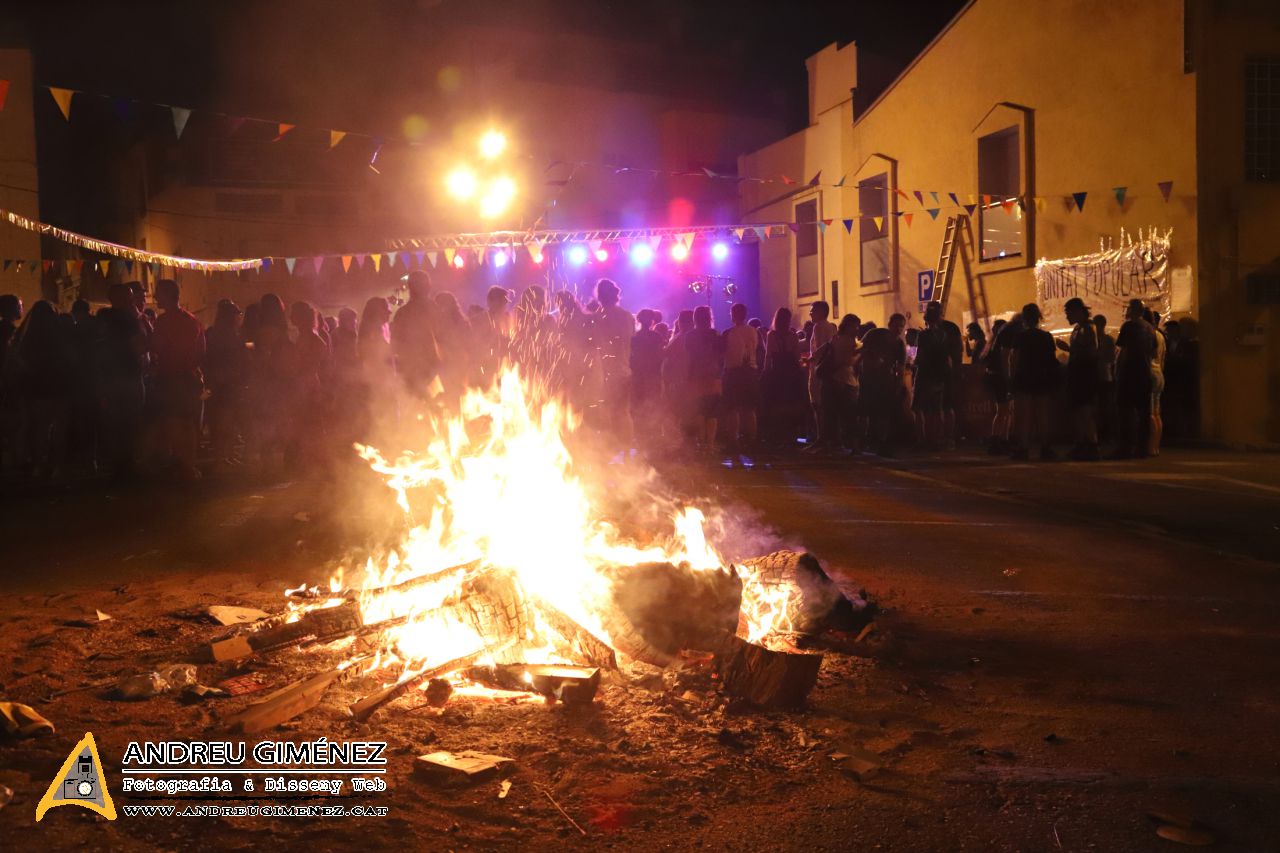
x: 1034, y: 701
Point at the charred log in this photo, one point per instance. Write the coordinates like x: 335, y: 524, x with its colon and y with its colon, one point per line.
x: 764, y: 677
x: 661, y: 609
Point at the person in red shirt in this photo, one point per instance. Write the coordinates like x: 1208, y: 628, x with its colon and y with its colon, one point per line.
x: 177, y: 350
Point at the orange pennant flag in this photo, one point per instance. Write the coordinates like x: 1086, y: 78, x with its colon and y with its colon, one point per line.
x: 103, y: 267
x: 283, y: 129
x: 346, y: 263
x: 335, y: 136
x: 900, y: 191
x: 63, y: 97
x: 986, y: 201
x: 907, y: 217
x: 1007, y: 204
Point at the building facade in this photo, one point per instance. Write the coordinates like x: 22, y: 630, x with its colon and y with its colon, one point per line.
x: 19, y: 186
x: 1159, y: 111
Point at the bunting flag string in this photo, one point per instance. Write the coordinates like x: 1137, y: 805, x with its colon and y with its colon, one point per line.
x: 105, y: 248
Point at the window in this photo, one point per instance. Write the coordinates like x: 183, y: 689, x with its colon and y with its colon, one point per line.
x: 1262, y: 120
x: 808, y: 273
x: 999, y: 179
x: 873, y: 236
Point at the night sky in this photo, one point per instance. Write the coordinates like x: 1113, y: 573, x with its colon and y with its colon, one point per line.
x: 362, y: 65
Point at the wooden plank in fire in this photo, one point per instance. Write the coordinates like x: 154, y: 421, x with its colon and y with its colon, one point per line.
x: 322, y: 622
x: 290, y: 701
x: 594, y: 650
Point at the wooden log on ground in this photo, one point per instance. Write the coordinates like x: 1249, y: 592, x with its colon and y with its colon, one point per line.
x: 365, y: 707
x: 764, y: 677
x: 573, y: 685
x: 591, y: 648
x: 659, y: 610
x: 288, y: 702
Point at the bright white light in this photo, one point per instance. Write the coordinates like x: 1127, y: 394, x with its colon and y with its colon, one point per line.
x: 679, y: 251
x: 500, y: 258
x: 720, y: 251
x: 602, y: 255
x: 578, y: 255
x: 492, y: 143
x: 461, y: 183
x: 497, y: 197
x: 641, y: 254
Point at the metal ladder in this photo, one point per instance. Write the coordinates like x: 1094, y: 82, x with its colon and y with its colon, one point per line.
x: 951, y: 240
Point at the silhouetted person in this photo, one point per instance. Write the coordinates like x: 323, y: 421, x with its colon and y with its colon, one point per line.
x: 783, y: 384
x: 884, y: 356
x: 413, y: 338
x: 178, y: 350
x: 646, y: 375
x: 1082, y: 380
x: 741, y: 380
x: 1106, y: 404
x: 122, y: 349
x: 706, y: 361
x: 1135, y: 348
x: 1035, y: 378
x: 226, y: 362
x: 611, y: 331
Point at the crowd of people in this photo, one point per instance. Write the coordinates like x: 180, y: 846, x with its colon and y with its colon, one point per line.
x: 133, y: 388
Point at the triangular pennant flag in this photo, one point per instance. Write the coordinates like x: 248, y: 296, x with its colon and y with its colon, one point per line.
x: 391, y: 259
x: 335, y: 136
x: 289, y: 264
x: 479, y: 252
x: 104, y: 267
x: 78, y: 265
x: 762, y: 234
x: 4, y: 92
x: 180, y: 116
x: 655, y: 241
x: 919, y: 197
x: 360, y: 259
x: 907, y: 218
x: 281, y: 130
x: 822, y: 226
x: 377, y: 262
x: 935, y: 199
x: 346, y: 263
x: 816, y: 178
x: 955, y: 201
x: 1119, y: 191
x: 1007, y: 204
x: 986, y: 201
x: 8, y: 263
x: 44, y: 265
x: 417, y: 259
x: 900, y: 191
x: 840, y: 182
x: 933, y: 212
x: 687, y: 239
x: 317, y: 262
x: 970, y: 208
x: 18, y: 268
x: 63, y: 98
x: 794, y: 226
x: 1079, y: 197
x: 787, y: 180
x: 432, y: 258
x: 879, y: 222
x: 80, y: 782
x: 848, y: 226
x: 595, y: 245
x: 266, y: 265
x: 738, y: 232
x: 448, y: 255
x: 1165, y: 188
x: 709, y: 173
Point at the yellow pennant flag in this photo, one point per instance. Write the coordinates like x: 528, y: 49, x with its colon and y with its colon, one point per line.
x: 1040, y: 204
x: 377, y: 262
x: 448, y: 256
x: 878, y: 220
x: 335, y: 136
x: 104, y: 266
x: 346, y: 263
x: 63, y: 97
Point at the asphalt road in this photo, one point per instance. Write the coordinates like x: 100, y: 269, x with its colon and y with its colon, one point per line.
x: 1068, y: 646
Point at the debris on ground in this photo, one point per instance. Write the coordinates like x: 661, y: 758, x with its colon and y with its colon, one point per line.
x: 449, y: 768
x: 227, y: 615
x: 169, y: 679
x: 23, y: 721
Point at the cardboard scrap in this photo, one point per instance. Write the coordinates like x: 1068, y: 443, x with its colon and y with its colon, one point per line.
x: 21, y: 720
x: 228, y: 615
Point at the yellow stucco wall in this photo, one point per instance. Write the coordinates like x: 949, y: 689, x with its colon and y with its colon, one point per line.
x: 18, y: 174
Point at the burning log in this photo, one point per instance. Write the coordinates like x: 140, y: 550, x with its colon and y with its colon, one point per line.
x: 661, y: 609
x: 329, y: 622
x: 365, y: 708
x: 421, y: 580
x: 288, y: 702
x: 811, y: 600
x: 591, y: 648
x: 764, y: 677
x: 572, y: 685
